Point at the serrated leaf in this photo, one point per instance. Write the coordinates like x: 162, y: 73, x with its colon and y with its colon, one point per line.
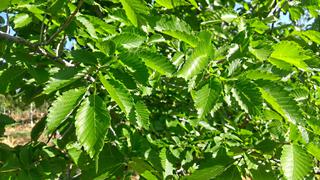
x: 62, y: 107
x: 290, y: 52
x: 142, y: 115
x: 88, y: 26
x: 92, y: 123
x: 137, y: 66
x: 183, y: 36
x: 133, y: 8
x: 129, y: 40
x: 207, y: 96
x: 101, y: 26
x: 248, y: 97
x: 199, y: 59
x: 256, y: 74
x: 282, y: 102
x: 295, y: 162
x: 158, y: 63
x: 119, y: 93
x: 61, y: 79
x: 172, y: 23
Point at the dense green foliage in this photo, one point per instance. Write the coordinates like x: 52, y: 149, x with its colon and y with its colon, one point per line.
x: 164, y: 89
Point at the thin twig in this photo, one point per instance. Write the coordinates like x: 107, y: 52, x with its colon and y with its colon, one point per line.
x: 8, y: 23
x: 65, y: 24
x: 36, y: 48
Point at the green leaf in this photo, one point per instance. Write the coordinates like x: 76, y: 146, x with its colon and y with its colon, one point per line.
x: 89, y: 27
x: 199, y: 59
x: 141, y: 115
x: 101, y: 26
x: 56, y: 6
x: 295, y: 162
x: 289, y: 52
x: 119, y: 93
x: 256, y: 74
x: 281, y: 101
x: 129, y: 40
x: 248, y: 97
x: 169, y: 4
x: 158, y: 63
x: 21, y: 20
x: 183, y: 36
x: 165, y: 163
x: 133, y: 9
x: 62, y: 107
x: 92, y: 123
x: 314, y: 149
x: 61, y: 79
x: 4, y: 4
x: 312, y: 35
x: 136, y: 66
x: 4, y: 120
x: 38, y: 129
x: 206, y: 97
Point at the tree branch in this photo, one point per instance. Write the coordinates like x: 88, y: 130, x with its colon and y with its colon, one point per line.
x: 64, y: 25
x: 38, y: 49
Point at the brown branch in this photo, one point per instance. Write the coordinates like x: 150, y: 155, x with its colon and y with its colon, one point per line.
x: 36, y: 48
x: 64, y: 25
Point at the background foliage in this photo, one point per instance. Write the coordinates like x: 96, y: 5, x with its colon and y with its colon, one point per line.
x: 164, y: 89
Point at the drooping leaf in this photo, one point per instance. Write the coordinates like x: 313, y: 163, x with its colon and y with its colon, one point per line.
x: 291, y: 53
x: 92, y: 123
x: 281, y: 101
x: 314, y: 149
x: 119, y: 93
x: 207, y: 96
x: 157, y: 62
x: 295, y: 162
x: 248, y: 97
x: 199, y: 59
x: 62, y: 107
